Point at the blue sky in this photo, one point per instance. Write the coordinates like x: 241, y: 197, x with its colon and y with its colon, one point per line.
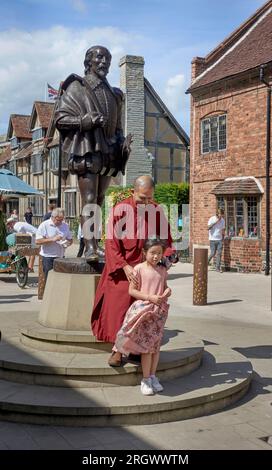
x: 44, y: 40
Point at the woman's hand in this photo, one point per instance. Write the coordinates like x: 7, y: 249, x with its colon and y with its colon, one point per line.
x: 129, y: 272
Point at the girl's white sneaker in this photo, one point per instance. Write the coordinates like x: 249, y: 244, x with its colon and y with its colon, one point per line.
x: 156, y: 385
x: 146, y: 387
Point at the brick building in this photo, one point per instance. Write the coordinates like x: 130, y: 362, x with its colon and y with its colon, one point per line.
x: 228, y: 141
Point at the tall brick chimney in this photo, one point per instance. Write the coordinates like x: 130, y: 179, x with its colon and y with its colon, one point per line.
x: 132, y: 85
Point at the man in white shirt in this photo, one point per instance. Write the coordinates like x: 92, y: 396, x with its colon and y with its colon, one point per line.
x: 54, y: 236
x: 25, y: 227
x: 216, y: 227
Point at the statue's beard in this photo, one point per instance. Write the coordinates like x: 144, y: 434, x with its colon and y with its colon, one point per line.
x: 101, y: 75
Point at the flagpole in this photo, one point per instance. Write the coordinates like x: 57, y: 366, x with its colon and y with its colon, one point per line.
x: 45, y: 95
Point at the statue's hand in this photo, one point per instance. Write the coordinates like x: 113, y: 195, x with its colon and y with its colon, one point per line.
x: 98, y: 119
x: 91, y: 120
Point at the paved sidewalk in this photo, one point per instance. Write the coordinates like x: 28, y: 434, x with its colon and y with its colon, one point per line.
x: 238, y: 315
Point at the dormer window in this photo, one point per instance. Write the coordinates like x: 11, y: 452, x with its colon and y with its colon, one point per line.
x: 14, y: 143
x: 37, y: 133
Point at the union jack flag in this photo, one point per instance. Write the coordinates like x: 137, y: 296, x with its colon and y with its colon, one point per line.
x: 52, y: 93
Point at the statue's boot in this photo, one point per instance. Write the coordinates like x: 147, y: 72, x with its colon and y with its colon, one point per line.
x: 101, y: 252
x: 91, y: 250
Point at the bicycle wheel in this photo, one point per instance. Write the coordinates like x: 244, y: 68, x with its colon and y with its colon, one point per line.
x: 22, y: 272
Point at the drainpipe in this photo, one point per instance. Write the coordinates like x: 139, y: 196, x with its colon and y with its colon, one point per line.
x: 59, y: 172
x: 267, y: 169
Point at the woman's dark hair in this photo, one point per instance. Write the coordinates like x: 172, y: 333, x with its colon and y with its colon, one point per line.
x: 150, y: 242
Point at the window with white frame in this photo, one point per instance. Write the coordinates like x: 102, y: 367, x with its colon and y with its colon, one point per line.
x: 36, y: 164
x: 70, y: 203
x: 36, y: 204
x: 37, y: 133
x: 214, y: 133
x: 241, y: 215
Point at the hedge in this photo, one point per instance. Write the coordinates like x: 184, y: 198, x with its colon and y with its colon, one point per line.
x: 165, y: 193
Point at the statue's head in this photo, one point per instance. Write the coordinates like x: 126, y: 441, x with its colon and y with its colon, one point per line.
x: 97, y: 60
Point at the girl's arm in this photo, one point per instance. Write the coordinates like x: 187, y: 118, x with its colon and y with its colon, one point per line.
x: 138, y: 295
x: 167, y: 291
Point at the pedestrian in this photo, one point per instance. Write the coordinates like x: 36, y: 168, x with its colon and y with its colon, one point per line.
x: 28, y: 229
x: 80, y: 238
x: 14, y: 214
x: 216, y: 227
x: 142, y: 329
x: 28, y: 215
x: 54, y: 236
x: 50, y: 208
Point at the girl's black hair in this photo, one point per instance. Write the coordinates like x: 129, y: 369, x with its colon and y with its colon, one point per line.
x: 150, y: 242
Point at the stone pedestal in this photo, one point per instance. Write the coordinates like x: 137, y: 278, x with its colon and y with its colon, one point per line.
x: 69, y: 294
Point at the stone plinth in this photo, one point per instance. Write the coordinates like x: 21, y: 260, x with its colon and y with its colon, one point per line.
x: 69, y: 294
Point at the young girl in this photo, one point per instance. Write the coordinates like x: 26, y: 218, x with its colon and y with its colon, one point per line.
x: 142, y: 329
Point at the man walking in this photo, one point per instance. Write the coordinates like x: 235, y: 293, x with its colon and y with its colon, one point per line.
x: 216, y: 227
x: 54, y: 236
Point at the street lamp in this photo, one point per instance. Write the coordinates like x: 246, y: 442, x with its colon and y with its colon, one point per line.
x: 267, y: 169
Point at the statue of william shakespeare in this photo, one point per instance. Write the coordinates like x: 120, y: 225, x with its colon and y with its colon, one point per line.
x: 88, y: 116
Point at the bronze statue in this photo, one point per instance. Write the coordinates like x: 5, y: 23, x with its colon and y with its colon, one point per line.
x: 88, y: 116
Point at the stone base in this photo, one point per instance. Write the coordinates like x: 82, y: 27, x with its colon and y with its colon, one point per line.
x: 68, y: 300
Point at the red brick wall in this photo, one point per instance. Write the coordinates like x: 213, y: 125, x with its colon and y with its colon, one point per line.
x: 244, y: 102
x: 242, y: 255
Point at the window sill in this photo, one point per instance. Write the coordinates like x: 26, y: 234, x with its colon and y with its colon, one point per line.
x: 218, y: 153
x: 243, y: 238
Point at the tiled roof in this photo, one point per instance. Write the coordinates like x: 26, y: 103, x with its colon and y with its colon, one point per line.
x: 24, y: 152
x: 53, y: 143
x: 19, y: 123
x: 251, y: 48
x: 237, y: 186
x: 44, y: 112
x: 5, y: 155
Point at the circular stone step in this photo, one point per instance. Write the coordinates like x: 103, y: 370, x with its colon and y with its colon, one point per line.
x: 223, y: 378
x: 53, y: 339
x: 180, y: 355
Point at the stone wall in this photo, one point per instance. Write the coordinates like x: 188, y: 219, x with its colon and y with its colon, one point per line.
x: 132, y: 85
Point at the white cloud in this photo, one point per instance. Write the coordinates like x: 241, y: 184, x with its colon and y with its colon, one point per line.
x: 28, y: 60
x: 173, y: 92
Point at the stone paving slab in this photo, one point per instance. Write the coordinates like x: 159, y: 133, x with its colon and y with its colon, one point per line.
x: 238, y: 316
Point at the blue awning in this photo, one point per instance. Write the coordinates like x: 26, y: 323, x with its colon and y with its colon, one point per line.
x: 11, y: 184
